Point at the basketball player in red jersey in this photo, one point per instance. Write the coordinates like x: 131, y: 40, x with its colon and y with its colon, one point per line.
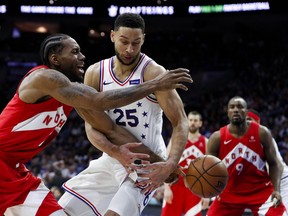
x: 178, y: 199
x: 253, y: 115
x: 40, y: 108
x: 245, y: 147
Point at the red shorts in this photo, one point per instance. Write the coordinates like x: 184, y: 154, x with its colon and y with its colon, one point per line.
x: 19, y: 188
x: 184, y: 201
x: 219, y: 208
x: 39, y: 202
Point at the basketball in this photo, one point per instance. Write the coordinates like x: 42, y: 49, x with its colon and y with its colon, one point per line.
x: 206, y: 176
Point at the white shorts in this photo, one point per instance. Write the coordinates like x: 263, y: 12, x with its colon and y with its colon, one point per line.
x: 38, y: 203
x: 101, y: 187
x: 284, y: 187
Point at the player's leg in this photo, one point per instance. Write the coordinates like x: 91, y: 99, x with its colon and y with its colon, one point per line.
x: 267, y: 208
x: 39, y: 202
x: 90, y: 192
x: 192, y: 203
x: 129, y: 200
x: 80, y: 208
x: 284, y: 191
x: 176, y: 207
x: 218, y: 208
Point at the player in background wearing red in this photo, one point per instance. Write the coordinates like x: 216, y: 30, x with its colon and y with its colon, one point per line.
x: 254, y: 115
x: 40, y: 108
x: 178, y: 199
x: 245, y: 147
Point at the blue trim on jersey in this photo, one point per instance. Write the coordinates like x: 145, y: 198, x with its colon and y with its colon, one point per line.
x: 122, y: 83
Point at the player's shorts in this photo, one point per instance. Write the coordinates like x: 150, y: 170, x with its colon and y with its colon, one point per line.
x: 184, y: 202
x: 39, y: 202
x: 284, y: 187
x: 101, y: 187
x: 267, y: 208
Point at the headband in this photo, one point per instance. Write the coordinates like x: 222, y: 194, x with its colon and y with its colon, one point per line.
x: 254, y: 116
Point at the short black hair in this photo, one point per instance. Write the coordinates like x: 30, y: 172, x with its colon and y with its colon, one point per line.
x: 194, y: 112
x: 50, y: 45
x: 129, y: 20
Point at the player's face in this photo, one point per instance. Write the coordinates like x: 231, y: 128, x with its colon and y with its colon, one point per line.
x: 71, y: 61
x: 194, y: 123
x: 237, y: 111
x: 127, y: 43
x: 251, y: 119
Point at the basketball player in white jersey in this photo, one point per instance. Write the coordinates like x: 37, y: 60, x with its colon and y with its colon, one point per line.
x: 253, y: 115
x: 105, y: 187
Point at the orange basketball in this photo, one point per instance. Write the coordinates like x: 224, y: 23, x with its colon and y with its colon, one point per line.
x: 206, y: 176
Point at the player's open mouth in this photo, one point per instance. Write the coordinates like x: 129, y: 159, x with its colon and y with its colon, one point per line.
x: 81, y: 70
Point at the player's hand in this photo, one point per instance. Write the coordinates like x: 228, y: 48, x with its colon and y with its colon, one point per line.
x: 154, y: 174
x: 173, y: 177
x: 276, y: 198
x: 174, y: 79
x: 168, y: 194
x: 205, y: 203
x: 127, y: 158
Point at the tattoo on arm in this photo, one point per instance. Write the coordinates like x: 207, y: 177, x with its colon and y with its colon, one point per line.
x: 65, y: 88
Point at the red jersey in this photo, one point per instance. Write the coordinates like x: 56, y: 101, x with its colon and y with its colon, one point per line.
x: 192, y: 151
x: 245, y: 160
x: 184, y: 201
x: 25, y: 130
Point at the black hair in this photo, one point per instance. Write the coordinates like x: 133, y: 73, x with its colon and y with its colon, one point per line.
x: 129, y: 20
x: 194, y: 112
x: 51, y: 44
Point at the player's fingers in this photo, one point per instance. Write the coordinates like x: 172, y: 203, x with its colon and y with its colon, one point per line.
x: 183, y: 77
x: 148, y: 188
x: 135, y: 156
x: 129, y: 169
x: 179, y: 171
x: 181, y: 86
x: 276, y: 202
x: 179, y: 70
x: 132, y: 145
x: 146, y: 166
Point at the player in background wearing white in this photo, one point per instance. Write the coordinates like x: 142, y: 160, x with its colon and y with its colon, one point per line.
x: 104, y: 188
x: 178, y: 199
x: 254, y: 115
x: 39, y: 109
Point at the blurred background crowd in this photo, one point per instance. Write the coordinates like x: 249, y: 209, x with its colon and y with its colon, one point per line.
x: 228, y: 55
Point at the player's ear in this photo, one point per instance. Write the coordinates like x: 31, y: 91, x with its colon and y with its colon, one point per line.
x: 112, y: 35
x: 143, y: 38
x: 54, y: 59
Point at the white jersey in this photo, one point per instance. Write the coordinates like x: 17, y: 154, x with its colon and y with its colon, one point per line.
x: 105, y: 183
x: 284, y: 177
x: 142, y: 118
x: 278, y: 155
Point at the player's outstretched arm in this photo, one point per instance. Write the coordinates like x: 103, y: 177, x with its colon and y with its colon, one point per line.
x: 108, y: 137
x: 55, y: 84
x: 275, y: 166
x: 213, y: 144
